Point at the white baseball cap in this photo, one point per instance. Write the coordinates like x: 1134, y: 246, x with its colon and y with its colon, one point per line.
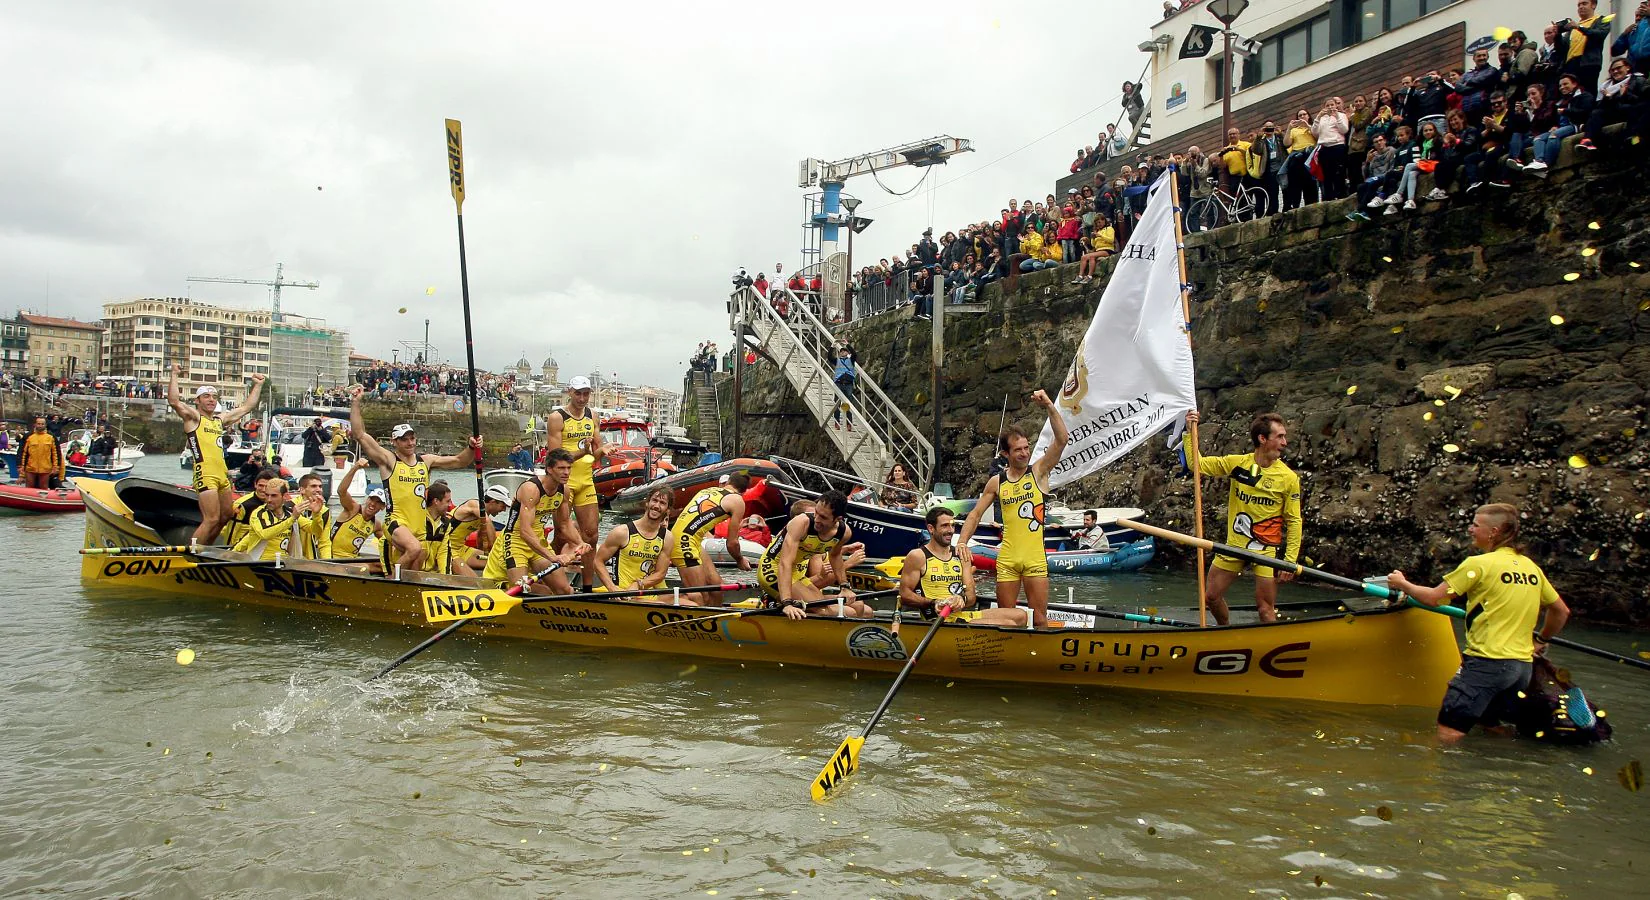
x: 497, y: 492
x: 205, y: 389
x: 400, y: 431
x: 579, y: 383
x: 379, y: 495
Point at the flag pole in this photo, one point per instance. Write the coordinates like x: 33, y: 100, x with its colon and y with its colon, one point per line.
x: 455, y: 171
x: 1191, y: 431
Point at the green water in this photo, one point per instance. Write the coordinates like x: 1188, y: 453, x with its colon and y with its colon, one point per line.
x: 267, y: 768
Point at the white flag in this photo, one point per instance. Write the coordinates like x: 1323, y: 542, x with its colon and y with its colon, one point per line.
x: 1133, y: 375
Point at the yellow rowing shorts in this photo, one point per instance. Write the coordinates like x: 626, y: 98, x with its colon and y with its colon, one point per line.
x: 1012, y: 569
x: 580, y: 491
x: 687, y: 552
x: 210, y: 481
x: 1236, y: 566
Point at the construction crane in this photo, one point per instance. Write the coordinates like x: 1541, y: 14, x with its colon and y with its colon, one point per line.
x: 829, y: 176
x: 274, y: 287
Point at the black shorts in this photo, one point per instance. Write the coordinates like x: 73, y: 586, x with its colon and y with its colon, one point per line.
x: 1483, y: 692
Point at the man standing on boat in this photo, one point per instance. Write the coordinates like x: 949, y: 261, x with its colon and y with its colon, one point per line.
x: 203, y: 437
x: 519, y: 550
x: 708, y: 508
x: 406, y: 476
x: 639, y: 550
x: 783, y: 570
x: 574, y: 428
x: 1022, y: 559
x: 40, y: 459
x: 1263, y: 513
x: 933, y: 575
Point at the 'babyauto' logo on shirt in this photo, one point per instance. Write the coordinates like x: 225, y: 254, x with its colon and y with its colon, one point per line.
x: 872, y: 642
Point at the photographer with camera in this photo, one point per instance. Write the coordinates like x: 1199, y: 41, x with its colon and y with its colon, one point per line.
x: 1583, y: 39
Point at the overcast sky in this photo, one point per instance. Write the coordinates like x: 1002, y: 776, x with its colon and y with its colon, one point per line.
x: 622, y: 159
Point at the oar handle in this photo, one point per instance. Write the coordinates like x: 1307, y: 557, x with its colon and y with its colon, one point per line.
x: 1127, y: 617
x: 760, y: 611
x: 1262, y: 559
x: 135, y: 551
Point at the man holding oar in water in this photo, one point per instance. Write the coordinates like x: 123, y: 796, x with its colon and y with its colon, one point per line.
x: 783, y: 570
x: 203, y: 436
x: 520, y: 548
x: 406, y: 474
x: 1263, y: 513
x: 1504, y: 593
x: 933, y: 576
x: 1023, y: 489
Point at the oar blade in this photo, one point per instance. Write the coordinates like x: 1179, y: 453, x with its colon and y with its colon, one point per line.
x: 842, y: 765
x: 450, y: 605
x: 891, y: 567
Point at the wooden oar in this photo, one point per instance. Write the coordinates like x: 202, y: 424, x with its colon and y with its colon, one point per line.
x: 845, y: 761
x: 1127, y: 617
x: 1261, y: 559
x: 766, y: 610
x: 136, y: 551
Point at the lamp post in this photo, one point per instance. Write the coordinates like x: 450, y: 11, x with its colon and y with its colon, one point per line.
x: 850, y: 204
x: 1227, y: 12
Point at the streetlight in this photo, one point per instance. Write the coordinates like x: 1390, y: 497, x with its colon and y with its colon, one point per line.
x: 1227, y: 12
x: 850, y: 204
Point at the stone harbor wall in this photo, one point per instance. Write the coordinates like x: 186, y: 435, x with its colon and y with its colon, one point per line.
x: 1488, y: 348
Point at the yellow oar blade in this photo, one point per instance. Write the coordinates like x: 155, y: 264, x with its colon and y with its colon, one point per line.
x: 891, y: 567
x: 449, y: 605
x: 842, y: 764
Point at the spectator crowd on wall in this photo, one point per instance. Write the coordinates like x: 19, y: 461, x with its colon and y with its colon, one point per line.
x: 388, y: 380
x: 1504, y: 116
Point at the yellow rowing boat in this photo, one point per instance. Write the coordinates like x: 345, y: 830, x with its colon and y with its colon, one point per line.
x: 1401, y: 657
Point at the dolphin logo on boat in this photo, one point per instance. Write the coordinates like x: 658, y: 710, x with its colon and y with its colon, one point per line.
x: 874, y: 642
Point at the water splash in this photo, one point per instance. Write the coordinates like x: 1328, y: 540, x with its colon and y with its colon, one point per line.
x: 408, y: 702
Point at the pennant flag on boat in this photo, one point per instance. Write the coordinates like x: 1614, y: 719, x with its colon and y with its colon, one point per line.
x: 1132, y: 377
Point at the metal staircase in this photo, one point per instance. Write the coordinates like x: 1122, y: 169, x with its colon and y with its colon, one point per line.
x: 806, y: 351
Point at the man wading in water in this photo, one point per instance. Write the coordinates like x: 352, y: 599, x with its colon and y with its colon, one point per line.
x: 203, y: 437
x: 1022, y: 559
x: 1263, y: 513
x: 406, y: 474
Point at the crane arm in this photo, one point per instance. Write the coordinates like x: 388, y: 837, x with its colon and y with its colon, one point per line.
x: 934, y: 151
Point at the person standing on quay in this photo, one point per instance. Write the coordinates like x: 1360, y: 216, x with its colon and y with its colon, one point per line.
x: 1263, y: 513
x: 1505, y: 593
x: 1022, y: 560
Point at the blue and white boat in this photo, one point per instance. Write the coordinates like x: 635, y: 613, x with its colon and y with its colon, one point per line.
x: 114, y: 471
x: 1127, y: 557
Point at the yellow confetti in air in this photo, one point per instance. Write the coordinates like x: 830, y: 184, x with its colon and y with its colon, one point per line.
x: 186, y: 656
x: 1571, y: 276
x: 687, y: 671
x: 1437, y: 403
x: 518, y: 762
x: 1590, y: 251
x: 1451, y: 448
x: 1501, y: 32
x: 1004, y: 699
x: 950, y: 683
x: 1427, y: 416
x: 1586, y: 770
x: 1578, y: 461
x: 166, y: 752
x: 1351, y: 390
x: 997, y: 23
x: 1593, y: 557
x: 1261, y: 306
x: 1386, y: 259
x: 1593, y: 226
x: 1556, y: 319
x: 602, y: 767
x: 1633, y: 265
x: 1452, y: 391
x: 1397, y: 329
x: 711, y: 892
x: 402, y: 310
x: 429, y: 291
x: 687, y: 852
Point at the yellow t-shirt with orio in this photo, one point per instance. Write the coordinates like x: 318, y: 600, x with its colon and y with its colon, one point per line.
x: 1503, y: 592
x: 1263, y: 506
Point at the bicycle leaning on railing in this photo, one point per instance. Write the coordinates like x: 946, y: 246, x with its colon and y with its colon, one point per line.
x: 1221, y: 208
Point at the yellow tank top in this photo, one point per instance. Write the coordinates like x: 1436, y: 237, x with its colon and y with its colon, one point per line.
x: 577, y: 438
x: 703, y: 513
x: 349, y: 537
x: 544, y: 511
x: 240, y: 518
x: 1022, y: 513
x: 406, y: 486
x: 434, y: 539
x: 459, y: 532
x: 205, y: 445
x: 812, y: 545
x: 639, y: 555
x: 312, y: 532
x: 941, y: 579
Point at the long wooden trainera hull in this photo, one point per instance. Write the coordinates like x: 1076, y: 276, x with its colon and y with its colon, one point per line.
x: 1401, y: 657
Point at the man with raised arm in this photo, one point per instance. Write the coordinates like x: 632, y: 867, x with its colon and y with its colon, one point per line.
x: 1022, y: 559
x: 573, y: 428
x: 783, y: 570
x: 636, y: 554
x: 475, y: 517
x: 203, y: 436
x: 932, y: 576
x: 708, y: 508
x: 520, y: 550
x: 358, y: 521
x: 406, y: 476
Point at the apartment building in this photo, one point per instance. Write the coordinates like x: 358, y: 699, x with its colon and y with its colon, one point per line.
x: 59, y: 348
x: 14, y: 347
x: 217, y: 345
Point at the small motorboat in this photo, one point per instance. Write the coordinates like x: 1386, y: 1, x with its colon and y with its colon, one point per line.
x: 123, y: 450
x: 630, y: 458
x: 684, y: 484
x: 114, y: 471
x: 17, y: 498
x: 1118, y: 558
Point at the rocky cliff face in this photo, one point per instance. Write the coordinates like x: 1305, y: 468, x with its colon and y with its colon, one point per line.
x: 1490, y: 348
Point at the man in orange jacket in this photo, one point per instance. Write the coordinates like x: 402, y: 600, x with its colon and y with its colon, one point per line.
x: 40, y: 458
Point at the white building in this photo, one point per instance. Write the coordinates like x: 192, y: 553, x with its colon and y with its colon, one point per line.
x: 216, y: 345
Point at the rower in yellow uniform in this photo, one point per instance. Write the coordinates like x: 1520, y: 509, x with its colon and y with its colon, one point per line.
x: 406, y: 476
x: 203, y: 436
x: 573, y: 428
x: 245, y: 506
x: 1263, y: 513
x: 473, y: 517
x: 708, y: 508
x: 438, y: 502
x: 270, y: 534
x: 636, y: 555
x: 314, y: 529
x: 358, y: 523
x: 782, y: 572
x: 932, y: 576
x: 520, y: 550
x: 1022, y: 559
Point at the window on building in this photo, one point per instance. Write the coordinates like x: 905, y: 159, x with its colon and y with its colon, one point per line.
x: 51, y: 345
